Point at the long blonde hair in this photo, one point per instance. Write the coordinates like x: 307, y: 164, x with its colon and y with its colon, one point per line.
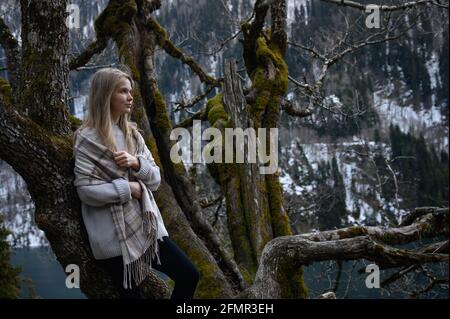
x: 103, y: 84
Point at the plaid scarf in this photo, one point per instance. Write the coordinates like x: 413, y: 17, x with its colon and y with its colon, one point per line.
x: 100, y: 168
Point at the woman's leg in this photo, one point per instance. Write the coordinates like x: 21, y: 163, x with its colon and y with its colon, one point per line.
x: 176, y: 265
x: 114, y: 267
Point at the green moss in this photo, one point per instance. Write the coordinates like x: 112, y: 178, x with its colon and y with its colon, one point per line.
x: 216, y: 111
x: 125, y: 53
x: 6, y: 91
x: 75, y: 122
x: 290, y: 278
x: 161, y: 116
x: 280, y: 221
x: 162, y: 122
x: 269, y: 91
x: 139, y: 113
x: 208, y: 286
x: 351, y: 232
x: 115, y: 20
x: 151, y: 144
x: 162, y: 37
x: 63, y: 144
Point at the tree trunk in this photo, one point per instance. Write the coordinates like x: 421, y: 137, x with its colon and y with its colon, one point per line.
x: 254, y: 201
x: 45, y: 68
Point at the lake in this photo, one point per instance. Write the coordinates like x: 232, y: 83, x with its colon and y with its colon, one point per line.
x: 47, y: 275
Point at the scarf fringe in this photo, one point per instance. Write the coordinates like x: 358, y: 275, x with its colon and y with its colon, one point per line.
x: 141, y: 267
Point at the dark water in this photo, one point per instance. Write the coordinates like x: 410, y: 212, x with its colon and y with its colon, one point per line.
x: 47, y: 275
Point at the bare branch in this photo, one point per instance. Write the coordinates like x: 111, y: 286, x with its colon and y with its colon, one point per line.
x: 175, y: 52
x: 312, y: 91
x: 290, y: 109
x: 185, y: 105
x: 224, y: 43
x: 396, y: 276
x: 92, y: 49
x: 95, y: 66
x: 313, y: 51
x: 438, y: 248
x: 384, y: 7
x: 199, y: 115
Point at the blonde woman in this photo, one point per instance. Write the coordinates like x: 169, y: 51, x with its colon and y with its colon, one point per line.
x: 115, y: 174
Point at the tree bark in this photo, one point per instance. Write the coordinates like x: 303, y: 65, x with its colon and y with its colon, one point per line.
x: 45, y: 69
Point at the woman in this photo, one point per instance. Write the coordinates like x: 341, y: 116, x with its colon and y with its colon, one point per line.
x: 115, y: 174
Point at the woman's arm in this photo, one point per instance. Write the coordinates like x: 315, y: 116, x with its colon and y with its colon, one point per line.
x: 118, y: 191
x: 148, y: 171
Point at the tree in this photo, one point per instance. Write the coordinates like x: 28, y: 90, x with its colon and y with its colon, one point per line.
x: 36, y: 129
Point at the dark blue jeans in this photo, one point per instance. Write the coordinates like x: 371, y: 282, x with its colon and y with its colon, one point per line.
x: 174, y: 263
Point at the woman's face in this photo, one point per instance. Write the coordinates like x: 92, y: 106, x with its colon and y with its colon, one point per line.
x: 121, y: 99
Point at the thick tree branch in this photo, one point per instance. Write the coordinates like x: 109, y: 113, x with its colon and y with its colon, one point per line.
x: 434, y: 223
x: 347, y: 244
x: 279, y: 25
x: 22, y: 139
x: 92, y: 49
x: 252, y: 31
x: 299, y: 251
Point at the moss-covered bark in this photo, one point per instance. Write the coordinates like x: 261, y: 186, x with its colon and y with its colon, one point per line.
x: 44, y: 69
x: 264, y: 52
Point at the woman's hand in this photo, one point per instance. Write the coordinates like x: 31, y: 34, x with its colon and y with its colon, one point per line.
x: 124, y: 159
x: 136, y: 190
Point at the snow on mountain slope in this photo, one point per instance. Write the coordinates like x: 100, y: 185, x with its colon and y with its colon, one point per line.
x: 17, y: 208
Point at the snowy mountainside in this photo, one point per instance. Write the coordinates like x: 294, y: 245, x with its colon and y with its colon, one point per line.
x: 18, y: 209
